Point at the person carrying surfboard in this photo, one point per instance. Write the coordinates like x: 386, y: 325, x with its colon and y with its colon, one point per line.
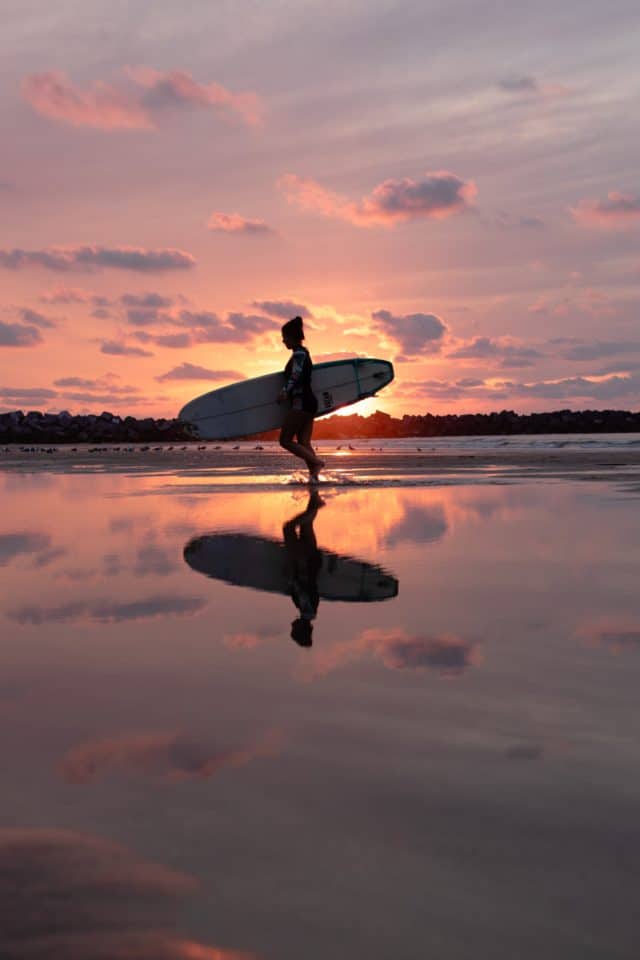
x: 297, y: 428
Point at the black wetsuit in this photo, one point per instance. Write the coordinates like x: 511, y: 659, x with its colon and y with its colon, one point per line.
x: 298, y: 381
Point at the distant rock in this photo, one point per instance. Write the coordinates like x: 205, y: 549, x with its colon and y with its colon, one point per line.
x: 37, y: 427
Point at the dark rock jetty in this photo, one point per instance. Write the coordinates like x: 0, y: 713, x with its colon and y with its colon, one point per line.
x: 48, y: 428
x: 36, y: 427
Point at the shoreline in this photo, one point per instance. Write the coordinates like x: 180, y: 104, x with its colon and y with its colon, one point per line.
x: 268, y: 465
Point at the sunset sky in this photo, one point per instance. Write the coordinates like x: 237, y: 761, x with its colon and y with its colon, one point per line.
x: 450, y: 185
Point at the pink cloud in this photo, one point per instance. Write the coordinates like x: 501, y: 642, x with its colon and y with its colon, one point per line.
x: 191, y: 371
x: 177, y: 87
x: 70, y: 295
x: 137, y: 105
x: 234, y: 223
x: 19, y: 335
x: 102, y: 105
x: 616, y: 210
x: 93, y: 257
x: 116, y: 348
x: 433, y: 196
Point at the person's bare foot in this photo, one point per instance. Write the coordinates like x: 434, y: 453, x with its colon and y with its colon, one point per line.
x: 314, y: 471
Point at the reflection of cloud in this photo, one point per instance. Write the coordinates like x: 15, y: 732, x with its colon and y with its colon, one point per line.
x: 161, y: 606
x: 446, y: 654
x: 153, y: 560
x: 169, y: 757
x: 48, y: 556
x: 76, y: 896
x: 418, y: 525
x: 17, y: 544
x: 616, y: 633
x: 524, y: 752
x: 432, y: 196
x: 250, y: 639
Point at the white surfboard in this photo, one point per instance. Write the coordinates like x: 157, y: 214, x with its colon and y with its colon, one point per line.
x: 264, y: 564
x: 251, y: 406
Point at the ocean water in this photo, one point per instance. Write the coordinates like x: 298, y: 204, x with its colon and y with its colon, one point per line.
x: 245, y: 719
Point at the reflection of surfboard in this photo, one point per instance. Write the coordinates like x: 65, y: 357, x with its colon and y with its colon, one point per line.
x: 263, y: 564
x: 251, y: 406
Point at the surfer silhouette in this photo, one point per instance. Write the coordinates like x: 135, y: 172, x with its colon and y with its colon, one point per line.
x: 304, y: 560
x: 297, y: 428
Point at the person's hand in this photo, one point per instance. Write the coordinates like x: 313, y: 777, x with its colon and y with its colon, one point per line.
x: 282, y: 396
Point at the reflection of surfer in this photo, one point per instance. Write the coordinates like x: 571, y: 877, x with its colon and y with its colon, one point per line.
x: 297, y: 428
x: 304, y: 561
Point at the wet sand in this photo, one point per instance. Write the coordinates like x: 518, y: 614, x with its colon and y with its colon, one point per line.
x: 380, y: 466
x: 445, y: 763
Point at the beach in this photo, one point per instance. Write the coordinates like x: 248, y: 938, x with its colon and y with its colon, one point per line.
x: 398, y: 711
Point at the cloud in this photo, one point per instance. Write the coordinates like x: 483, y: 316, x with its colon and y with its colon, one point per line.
x: 70, y: 295
x: 616, y: 210
x: 519, y: 83
x: 168, y: 757
x: 191, y: 371
x: 72, y: 895
x: 19, y: 335
x: 433, y: 196
x: 102, y: 106
x: 177, y: 88
x: 139, y: 105
x: 585, y: 388
x: 109, y: 612
x: 529, y: 222
x: 416, y: 333
x: 508, y: 353
x: 206, y: 327
x: 146, y: 300
x: 600, y: 349
x: 88, y: 258
x: 283, y: 309
x: 21, y: 543
x: 116, y: 348
x: 35, y: 319
x: 28, y: 394
x: 98, y: 383
x: 234, y: 223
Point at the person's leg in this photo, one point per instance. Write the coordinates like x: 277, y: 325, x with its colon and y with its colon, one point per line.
x: 291, y: 427
x: 304, y: 438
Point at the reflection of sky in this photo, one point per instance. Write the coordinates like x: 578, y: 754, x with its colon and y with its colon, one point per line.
x: 437, y: 768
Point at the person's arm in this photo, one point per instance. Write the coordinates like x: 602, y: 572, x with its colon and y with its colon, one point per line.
x: 297, y: 366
